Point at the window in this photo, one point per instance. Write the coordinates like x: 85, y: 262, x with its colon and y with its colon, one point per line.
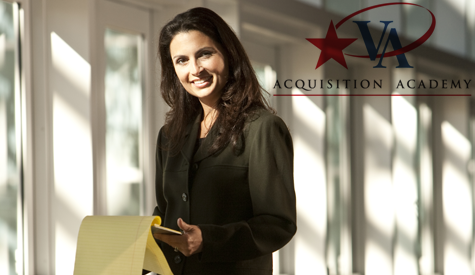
x: 343, y: 7
x: 123, y: 101
x: 123, y: 98
x: 338, y: 247
x: 10, y: 180
x: 266, y: 77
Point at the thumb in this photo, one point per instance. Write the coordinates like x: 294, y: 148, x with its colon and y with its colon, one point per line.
x: 183, y: 225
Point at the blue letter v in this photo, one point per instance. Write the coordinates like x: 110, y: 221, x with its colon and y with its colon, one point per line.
x: 368, y: 40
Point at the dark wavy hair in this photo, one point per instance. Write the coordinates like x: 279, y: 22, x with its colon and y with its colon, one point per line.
x: 241, y: 97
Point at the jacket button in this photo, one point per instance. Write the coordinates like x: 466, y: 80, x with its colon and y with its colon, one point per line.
x: 177, y: 259
x: 184, y: 197
x: 195, y: 166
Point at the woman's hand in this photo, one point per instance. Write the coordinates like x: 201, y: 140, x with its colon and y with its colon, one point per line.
x: 191, y: 242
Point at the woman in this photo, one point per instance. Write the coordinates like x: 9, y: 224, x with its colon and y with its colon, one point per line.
x: 224, y: 160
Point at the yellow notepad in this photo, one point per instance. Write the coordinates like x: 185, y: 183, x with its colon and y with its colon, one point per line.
x: 118, y: 245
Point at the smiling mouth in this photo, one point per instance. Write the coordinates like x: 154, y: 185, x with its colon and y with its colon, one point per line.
x: 202, y: 82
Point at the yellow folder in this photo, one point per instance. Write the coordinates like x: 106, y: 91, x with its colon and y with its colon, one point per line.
x: 118, y: 245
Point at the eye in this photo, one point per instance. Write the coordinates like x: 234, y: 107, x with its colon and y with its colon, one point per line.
x: 206, y: 54
x: 180, y: 61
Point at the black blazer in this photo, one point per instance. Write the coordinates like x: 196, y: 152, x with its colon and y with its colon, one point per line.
x: 244, y: 205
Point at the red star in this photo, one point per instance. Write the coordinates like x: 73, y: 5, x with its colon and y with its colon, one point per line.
x: 331, y: 46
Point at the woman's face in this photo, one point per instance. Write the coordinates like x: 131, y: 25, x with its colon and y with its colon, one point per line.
x: 200, y: 65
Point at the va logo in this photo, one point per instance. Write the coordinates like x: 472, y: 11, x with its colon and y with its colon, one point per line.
x: 332, y: 46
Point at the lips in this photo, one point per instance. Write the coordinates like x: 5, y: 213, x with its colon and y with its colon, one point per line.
x: 201, y: 83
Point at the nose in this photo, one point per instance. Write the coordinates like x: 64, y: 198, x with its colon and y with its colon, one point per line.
x: 196, y: 67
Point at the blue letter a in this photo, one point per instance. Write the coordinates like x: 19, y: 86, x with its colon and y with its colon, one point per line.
x: 373, y: 51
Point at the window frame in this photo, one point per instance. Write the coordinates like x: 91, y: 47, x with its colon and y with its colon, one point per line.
x: 102, y: 18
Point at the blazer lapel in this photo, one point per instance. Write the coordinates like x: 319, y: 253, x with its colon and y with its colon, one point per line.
x: 190, y: 139
x: 203, y: 151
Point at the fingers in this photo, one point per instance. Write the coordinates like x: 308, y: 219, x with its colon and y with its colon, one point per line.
x: 171, y: 240
x: 189, y: 243
x: 184, y: 226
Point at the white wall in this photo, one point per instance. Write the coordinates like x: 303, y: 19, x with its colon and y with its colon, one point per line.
x: 307, y: 126
x: 456, y: 188
x: 63, y: 149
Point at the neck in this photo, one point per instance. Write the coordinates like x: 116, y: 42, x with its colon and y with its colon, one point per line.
x: 208, y: 110
x: 210, y: 113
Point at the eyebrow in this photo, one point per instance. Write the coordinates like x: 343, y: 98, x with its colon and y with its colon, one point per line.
x: 177, y: 56
x: 209, y: 48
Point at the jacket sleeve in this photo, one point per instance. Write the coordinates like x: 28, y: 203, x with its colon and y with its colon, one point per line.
x: 161, y: 202
x: 271, y: 186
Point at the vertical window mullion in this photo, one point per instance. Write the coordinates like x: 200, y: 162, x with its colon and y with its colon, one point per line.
x: 18, y: 137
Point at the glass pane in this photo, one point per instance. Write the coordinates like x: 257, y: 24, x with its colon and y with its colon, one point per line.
x: 405, y: 185
x: 333, y: 142
x: 316, y: 3
x: 266, y: 77
x: 9, y: 173
x: 343, y: 7
x: 418, y: 20
x: 424, y: 243
x: 471, y: 27
x: 123, y: 96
